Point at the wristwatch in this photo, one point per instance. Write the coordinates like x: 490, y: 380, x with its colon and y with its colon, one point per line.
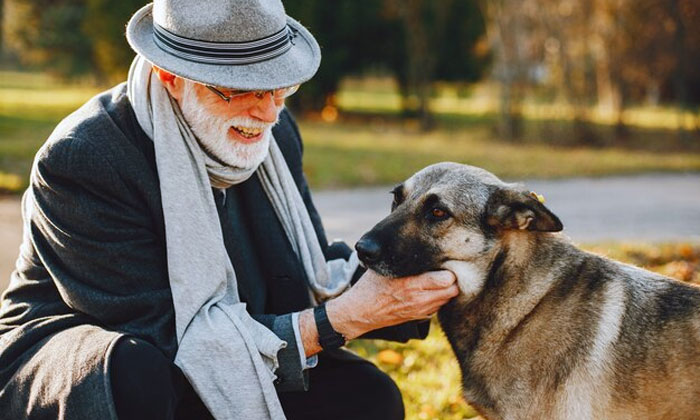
x: 328, y: 338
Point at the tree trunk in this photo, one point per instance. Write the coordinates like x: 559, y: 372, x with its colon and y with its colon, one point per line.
x: 421, y: 60
x: 680, y: 76
x: 504, y: 30
x: 2, y: 28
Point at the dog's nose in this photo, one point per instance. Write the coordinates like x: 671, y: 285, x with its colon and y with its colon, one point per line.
x: 368, y: 250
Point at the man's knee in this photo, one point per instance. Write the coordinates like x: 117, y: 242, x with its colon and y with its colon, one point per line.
x: 142, y: 381
x: 378, y: 394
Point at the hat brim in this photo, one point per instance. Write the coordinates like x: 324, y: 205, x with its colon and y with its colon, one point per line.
x: 295, y: 66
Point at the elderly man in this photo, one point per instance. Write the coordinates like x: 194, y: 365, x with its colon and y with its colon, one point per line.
x: 173, y: 264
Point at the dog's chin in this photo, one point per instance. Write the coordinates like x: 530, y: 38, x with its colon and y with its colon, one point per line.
x: 470, y: 277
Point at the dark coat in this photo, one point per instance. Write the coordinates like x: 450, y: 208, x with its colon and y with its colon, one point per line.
x: 94, y: 256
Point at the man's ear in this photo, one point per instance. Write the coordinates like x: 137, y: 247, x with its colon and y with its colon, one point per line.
x: 172, y: 83
x: 512, y: 209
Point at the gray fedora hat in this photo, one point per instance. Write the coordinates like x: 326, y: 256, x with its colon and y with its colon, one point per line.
x: 240, y: 44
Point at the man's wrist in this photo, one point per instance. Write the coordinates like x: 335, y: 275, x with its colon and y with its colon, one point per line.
x: 306, y: 361
x: 343, y: 320
x: 309, y: 332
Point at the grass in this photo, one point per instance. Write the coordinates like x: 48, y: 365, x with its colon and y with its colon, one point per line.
x: 30, y: 107
x: 342, y: 154
x: 380, y: 95
x: 377, y: 148
x: 427, y: 372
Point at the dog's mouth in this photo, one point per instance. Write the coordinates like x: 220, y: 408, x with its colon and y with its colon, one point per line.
x: 394, y: 271
x: 380, y: 268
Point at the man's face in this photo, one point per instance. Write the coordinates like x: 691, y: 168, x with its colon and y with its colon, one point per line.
x: 237, y: 132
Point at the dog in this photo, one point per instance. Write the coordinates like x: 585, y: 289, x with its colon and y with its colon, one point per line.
x: 541, y: 329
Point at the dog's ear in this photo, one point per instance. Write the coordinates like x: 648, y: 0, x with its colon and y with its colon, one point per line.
x: 512, y: 209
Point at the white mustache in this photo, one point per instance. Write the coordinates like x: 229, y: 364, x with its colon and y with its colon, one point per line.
x: 248, y: 123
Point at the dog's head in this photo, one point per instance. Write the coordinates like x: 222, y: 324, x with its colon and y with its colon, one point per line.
x: 449, y: 212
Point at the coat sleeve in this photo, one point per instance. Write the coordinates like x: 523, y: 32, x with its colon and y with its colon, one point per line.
x: 96, y: 239
x: 291, y: 376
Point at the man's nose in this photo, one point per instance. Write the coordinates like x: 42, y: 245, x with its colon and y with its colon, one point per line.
x: 265, y: 109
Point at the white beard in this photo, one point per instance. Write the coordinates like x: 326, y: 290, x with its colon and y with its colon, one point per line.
x: 212, y: 133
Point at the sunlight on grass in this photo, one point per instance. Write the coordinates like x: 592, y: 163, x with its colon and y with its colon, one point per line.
x: 61, y: 98
x: 381, y: 95
x: 369, y: 151
x: 31, y: 105
x: 10, y: 182
x: 347, y: 155
x: 427, y: 372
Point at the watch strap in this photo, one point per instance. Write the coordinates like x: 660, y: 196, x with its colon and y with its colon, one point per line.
x: 328, y: 338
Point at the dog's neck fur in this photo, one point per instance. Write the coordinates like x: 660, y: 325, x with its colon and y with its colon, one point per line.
x: 514, y: 282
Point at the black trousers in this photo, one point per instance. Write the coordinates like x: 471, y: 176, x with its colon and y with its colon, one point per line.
x: 146, y: 385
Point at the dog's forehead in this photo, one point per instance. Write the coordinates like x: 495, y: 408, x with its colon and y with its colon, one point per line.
x: 453, y: 181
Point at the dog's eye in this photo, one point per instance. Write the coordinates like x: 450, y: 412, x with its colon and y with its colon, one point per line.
x: 439, y: 213
x: 436, y: 213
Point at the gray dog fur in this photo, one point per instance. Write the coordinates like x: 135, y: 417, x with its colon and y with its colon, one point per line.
x: 541, y: 329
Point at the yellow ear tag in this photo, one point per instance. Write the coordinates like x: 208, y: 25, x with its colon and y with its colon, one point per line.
x: 538, y: 197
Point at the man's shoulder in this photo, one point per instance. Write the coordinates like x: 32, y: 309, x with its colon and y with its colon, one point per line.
x: 103, y: 129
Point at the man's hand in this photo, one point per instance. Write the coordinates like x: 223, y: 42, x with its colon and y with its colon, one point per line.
x: 376, y: 301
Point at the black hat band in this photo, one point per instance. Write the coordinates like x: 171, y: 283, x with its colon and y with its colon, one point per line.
x: 225, y: 53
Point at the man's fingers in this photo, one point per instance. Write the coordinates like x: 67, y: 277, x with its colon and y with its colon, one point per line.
x: 436, y: 279
x: 432, y: 300
x: 452, y: 291
x: 447, y: 294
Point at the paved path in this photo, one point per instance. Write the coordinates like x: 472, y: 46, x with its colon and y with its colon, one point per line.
x: 654, y: 207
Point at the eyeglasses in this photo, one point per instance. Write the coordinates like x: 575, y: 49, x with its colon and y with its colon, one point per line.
x: 250, y: 94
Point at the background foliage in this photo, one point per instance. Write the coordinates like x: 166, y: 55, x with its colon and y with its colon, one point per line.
x: 590, y: 56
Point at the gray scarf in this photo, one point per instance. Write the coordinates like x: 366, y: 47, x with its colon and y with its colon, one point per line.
x: 228, y: 357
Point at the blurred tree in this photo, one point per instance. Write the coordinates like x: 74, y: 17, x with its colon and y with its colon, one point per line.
x: 567, y: 35
x: 439, y: 39
x: 652, y: 49
x: 2, y: 28
x: 416, y: 69
x: 44, y: 33
x: 71, y: 38
x: 508, y: 34
x: 104, y: 24
x: 686, y: 48
x: 609, y: 52
x: 418, y: 41
x: 353, y: 36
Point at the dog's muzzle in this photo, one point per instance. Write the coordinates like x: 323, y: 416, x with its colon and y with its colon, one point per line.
x: 368, y: 250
